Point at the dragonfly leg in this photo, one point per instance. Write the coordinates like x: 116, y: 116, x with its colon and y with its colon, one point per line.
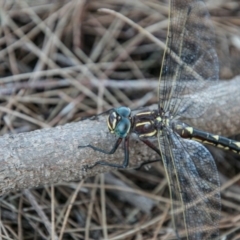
x: 146, y: 162
x: 152, y: 146
x: 112, y: 151
x: 126, y: 154
x: 125, y: 161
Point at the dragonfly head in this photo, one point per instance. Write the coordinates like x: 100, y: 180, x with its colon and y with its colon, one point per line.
x: 119, y: 122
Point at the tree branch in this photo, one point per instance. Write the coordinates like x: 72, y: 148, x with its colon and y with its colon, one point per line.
x: 52, y: 155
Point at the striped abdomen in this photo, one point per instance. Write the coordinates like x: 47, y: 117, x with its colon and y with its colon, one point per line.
x: 186, y: 131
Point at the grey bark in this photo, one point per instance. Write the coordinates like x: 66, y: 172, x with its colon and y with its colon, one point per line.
x: 52, y: 155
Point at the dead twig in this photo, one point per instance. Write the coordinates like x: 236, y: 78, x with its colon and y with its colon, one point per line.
x: 52, y: 155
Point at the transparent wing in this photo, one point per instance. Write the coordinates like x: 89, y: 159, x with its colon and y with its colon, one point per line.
x: 190, y: 62
x: 194, y: 187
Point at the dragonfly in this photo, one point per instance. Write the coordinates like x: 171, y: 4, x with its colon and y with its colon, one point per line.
x: 189, y: 66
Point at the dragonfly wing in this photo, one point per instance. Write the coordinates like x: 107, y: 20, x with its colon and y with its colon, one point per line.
x: 194, y: 187
x: 190, y: 62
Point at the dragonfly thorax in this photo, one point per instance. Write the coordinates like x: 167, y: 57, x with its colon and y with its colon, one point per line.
x: 147, y: 123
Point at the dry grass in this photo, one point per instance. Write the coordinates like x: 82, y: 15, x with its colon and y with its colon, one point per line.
x: 61, y: 61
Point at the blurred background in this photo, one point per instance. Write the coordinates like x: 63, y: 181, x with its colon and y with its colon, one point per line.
x: 61, y: 61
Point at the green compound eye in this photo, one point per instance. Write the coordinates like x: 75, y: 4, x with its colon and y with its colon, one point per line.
x: 123, y: 127
x: 123, y: 111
